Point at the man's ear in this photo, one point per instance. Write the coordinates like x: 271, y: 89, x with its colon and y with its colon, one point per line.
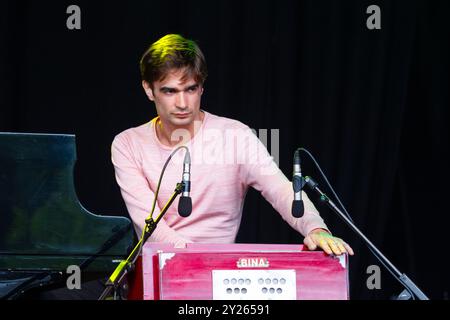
x: 148, y: 90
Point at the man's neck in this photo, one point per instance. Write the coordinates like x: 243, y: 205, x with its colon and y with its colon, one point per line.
x: 165, y: 132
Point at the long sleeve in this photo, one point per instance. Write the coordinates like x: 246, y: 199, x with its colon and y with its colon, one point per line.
x: 260, y: 171
x: 137, y: 193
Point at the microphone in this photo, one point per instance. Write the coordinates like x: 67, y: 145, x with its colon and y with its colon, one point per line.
x: 185, y: 203
x: 297, y: 184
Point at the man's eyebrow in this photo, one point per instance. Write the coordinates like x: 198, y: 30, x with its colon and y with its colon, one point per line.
x: 192, y: 86
x: 168, y: 89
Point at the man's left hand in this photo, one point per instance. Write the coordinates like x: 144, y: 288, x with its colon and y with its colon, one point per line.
x: 323, y: 239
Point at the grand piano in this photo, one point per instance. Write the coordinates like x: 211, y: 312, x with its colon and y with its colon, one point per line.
x: 43, y: 227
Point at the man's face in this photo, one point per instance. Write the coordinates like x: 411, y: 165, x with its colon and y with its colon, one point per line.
x: 177, y: 101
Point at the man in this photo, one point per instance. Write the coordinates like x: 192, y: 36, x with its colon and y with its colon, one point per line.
x: 173, y: 72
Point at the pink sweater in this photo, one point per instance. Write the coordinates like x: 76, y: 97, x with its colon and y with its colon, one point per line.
x: 226, y: 158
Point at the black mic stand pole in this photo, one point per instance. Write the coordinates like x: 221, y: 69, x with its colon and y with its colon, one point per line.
x: 403, y: 278
x: 125, y: 266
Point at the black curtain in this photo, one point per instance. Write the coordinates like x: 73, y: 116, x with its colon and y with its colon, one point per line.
x: 371, y: 105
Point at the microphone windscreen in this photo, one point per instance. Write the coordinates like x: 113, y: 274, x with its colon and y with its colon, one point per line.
x: 297, y: 208
x: 185, y: 206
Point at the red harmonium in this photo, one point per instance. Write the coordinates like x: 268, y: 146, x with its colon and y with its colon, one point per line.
x: 238, y: 271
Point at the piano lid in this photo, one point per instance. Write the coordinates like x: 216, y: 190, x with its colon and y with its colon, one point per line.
x: 42, y: 223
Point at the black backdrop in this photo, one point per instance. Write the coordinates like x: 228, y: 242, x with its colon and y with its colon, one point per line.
x: 371, y: 105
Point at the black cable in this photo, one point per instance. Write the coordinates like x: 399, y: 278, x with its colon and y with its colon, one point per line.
x: 156, y: 197
x: 127, y: 265
x: 350, y: 218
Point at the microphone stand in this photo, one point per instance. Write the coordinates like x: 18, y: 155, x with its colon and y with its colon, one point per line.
x: 401, y: 277
x: 125, y: 266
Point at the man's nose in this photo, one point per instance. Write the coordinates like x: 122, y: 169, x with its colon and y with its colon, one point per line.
x: 181, y: 100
